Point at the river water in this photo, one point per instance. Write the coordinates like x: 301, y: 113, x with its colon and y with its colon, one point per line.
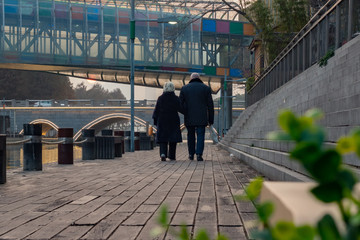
x: 15, y: 154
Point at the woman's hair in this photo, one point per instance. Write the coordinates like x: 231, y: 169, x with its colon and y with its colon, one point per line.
x: 169, y: 87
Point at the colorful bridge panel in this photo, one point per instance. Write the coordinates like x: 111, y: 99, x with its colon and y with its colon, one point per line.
x: 227, y: 27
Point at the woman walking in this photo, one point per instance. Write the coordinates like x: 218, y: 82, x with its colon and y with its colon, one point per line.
x: 167, y: 120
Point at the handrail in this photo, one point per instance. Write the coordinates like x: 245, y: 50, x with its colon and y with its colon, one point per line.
x: 82, y: 141
x: 44, y: 142
x: 282, y: 69
x: 18, y: 142
x: 50, y: 142
x: 313, y: 22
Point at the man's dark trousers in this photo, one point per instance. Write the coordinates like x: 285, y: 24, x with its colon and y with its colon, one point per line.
x: 200, y: 134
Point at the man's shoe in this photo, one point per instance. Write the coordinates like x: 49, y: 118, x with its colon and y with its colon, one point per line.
x: 199, y: 158
x: 163, y: 158
x: 191, y: 157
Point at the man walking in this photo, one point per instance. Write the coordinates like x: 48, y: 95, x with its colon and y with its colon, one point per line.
x: 198, y: 113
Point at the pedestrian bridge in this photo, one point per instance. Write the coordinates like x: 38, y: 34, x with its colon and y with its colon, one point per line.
x: 90, y: 39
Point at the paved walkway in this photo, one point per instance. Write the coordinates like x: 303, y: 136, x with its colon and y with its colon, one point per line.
x: 120, y: 198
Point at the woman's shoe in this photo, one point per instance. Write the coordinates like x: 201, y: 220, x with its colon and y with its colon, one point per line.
x: 163, y: 158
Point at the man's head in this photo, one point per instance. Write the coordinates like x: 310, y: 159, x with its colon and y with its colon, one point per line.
x: 194, y: 76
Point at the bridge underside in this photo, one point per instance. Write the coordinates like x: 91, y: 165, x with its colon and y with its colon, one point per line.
x: 150, y: 78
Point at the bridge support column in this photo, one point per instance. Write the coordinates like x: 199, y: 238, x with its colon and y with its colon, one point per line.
x: 66, y: 149
x: 88, y: 147
x: 2, y: 158
x: 33, y: 148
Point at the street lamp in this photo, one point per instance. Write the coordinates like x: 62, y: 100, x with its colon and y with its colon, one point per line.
x: 132, y: 65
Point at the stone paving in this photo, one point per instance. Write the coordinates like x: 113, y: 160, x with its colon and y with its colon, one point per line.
x: 120, y: 198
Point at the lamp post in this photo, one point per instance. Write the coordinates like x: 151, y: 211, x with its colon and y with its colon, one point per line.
x: 132, y: 70
x: 132, y: 66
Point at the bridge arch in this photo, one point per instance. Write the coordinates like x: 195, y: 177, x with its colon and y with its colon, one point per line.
x: 108, y: 119
x: 46, y: 125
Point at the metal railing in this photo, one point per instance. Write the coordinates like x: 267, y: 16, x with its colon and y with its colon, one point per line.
x: 92, y: 103
x: 336, y: 23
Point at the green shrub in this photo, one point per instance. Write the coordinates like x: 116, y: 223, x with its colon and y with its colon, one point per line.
x: 334, y: 184
x: 323, y: 61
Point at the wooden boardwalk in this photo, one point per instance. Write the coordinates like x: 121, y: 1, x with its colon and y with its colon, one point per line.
x: 120, y: 198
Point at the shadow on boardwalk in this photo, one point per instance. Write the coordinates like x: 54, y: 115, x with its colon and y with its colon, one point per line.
x: 120, y: 198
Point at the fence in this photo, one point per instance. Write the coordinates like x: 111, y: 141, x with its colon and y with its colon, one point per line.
x: 337, y: 22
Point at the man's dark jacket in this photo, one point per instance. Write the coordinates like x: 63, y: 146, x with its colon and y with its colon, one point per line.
x: 198, y: 103
x: 166, y: 118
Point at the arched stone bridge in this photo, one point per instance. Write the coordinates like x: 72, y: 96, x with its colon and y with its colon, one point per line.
x: 79, y: 118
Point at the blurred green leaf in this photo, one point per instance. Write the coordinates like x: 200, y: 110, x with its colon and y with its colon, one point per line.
x: 202, y: 235
x: 284, y: 230
x: 254, y: 188
x: 328, y: 192
x: 347, y: 179
x: 346, y: 145
x: 290, y: 124
x: 327, y: 228
x: 315, y: 134
x: 287, y: 120
x: 156, y: 231
x: 184, y: 235
x: 221, y: 237
x: 327, y: 166
x: 305, y: 233
x: 314, y: 113
x: 163, y: 216
x: 265, y: 210
x: 307, y: 153
x: 355, y: 135
x: 264, y: 234
x: 278, y: 136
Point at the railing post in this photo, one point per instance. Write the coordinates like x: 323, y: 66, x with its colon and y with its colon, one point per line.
x: 66, y: 149
x: 88, y: 147
x: 350, y: 19
x: 33, y: 149
x: 2, y: 158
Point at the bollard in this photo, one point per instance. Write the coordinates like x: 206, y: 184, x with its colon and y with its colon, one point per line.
x: 65, y: 149
x: 121, y: 134
x: 2, y: 158
x: 105, y: 147
x: 127, y: 140
x: 88, y: 147
x: 118, y: 146
x: 33, y: 148
x: 145, y: 141
x: 137, y: 141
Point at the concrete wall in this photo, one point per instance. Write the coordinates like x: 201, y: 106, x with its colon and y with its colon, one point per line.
x: 335, y: 89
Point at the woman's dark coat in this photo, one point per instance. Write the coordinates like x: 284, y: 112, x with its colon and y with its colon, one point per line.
x: 166, y: 118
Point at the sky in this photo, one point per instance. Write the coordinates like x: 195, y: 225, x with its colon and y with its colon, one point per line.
x: 140, y: 92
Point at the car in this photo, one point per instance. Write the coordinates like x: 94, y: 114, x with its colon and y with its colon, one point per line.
x: 43, y: 103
